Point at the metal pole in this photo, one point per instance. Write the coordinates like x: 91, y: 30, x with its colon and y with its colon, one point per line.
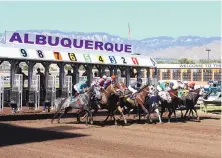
x: 208, y: 50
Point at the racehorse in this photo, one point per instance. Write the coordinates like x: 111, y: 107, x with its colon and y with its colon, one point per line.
x: 138, y: 102
x: 191, y: 100
x: 81, y: 102
x: 154, y: 101
x: 171, y: 106
x: 110, y: 101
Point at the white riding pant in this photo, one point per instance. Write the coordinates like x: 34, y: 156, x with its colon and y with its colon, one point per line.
x: 132, y: 89
x: 158, y: 88
x: 76, y: 88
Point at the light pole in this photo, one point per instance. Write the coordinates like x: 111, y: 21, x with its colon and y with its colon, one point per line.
x: 208, y: 50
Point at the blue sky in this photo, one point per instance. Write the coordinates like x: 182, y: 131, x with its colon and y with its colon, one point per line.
x: 147, y: 19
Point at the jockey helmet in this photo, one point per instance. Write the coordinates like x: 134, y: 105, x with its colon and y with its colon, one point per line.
x: 192, y: 84
x: 140, y: 80
x: 104, y: 77
x: 171, y: 84
x: 113, y: 77
x: 167, y: 82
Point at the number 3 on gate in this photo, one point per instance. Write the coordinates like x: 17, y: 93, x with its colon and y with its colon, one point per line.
x: 57, y: 56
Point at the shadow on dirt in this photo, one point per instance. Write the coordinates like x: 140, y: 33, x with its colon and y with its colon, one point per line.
x: 12, y: 135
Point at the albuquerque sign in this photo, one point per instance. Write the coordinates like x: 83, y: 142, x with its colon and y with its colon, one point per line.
x: 65, y: 42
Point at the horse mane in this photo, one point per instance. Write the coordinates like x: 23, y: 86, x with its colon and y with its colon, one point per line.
x: 143, y: 87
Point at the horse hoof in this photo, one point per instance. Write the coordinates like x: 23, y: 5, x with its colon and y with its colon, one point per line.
x: 91, y: 122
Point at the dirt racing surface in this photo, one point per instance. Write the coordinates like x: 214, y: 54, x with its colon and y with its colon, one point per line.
x: 41, y: 139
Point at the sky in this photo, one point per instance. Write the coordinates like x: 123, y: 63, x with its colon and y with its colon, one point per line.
x: 146, y: 19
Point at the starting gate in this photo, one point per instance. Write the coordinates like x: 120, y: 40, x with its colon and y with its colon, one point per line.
x: 144, y: 81
x: 154, y: 81
x: 34, y: 93
x: 1, y: 92
x: 67, y: 88
x: 16, y: 92
x: 51, y: 91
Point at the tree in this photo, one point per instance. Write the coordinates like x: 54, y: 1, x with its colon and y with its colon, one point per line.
x: 160, y: 62
x: 185, y: 61
x: 25, y: 67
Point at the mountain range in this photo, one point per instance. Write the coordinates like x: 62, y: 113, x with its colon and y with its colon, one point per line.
x: 192, y: 47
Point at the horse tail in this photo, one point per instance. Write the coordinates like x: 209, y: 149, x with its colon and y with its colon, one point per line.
x: 59, y: 108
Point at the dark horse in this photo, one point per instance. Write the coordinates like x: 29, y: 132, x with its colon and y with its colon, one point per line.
x: 190, y: 100
x: 172, y: 105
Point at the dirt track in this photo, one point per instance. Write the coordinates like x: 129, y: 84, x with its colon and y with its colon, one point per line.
x: 40, y: 138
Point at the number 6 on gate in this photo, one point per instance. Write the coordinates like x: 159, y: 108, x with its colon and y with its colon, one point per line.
x: 72, y: 56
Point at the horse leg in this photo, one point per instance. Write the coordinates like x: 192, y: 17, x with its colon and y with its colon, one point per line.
x: 107, y: 117
x: 169, y: 115
x: 181, y: 113
x: 158, y: 113
x: 121, y: 112
x: 174, y: 112
x: 161, y: 113
x: 113, y: 116
x: 56, y: 114
x: 91, y: 117
x: 65, y: 112
x: 186, y: 113
x: 147, y: 114
x: 196, y: 113
x: 87, y: 117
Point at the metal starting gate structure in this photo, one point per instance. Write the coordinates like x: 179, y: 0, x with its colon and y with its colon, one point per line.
x: 1, y: 92
x: 34, y: 93
x: 51, y: 91
x: 67, y: 88
x: 16, y: 92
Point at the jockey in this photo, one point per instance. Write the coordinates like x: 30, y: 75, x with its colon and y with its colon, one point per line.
x: 107, y: 83
x: 180, y: 91
x: 133, y: 87
x: 102, y: 80
x: 161, y: 86
x: 113, y: 79
x: 81, y: 87
x: 167, y: 85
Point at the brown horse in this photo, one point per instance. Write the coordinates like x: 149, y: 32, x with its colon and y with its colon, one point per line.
x: 139, y: 100
x: 110, y: 101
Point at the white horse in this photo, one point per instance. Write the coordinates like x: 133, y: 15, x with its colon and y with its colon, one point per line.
x: 81, y: 102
